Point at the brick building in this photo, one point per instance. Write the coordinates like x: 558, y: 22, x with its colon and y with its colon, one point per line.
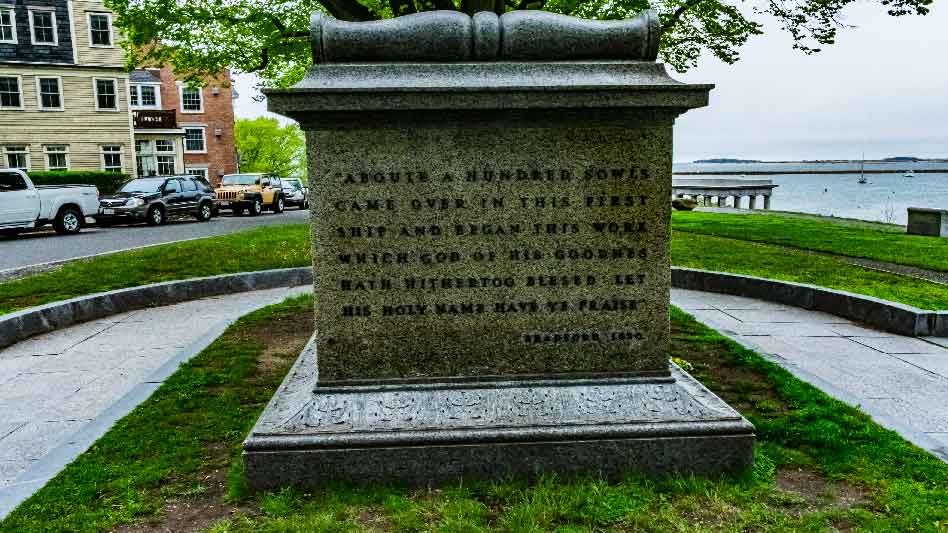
x: 180, y: 128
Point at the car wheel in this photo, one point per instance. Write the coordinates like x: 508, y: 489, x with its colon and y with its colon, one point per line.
x: 156, y: 216
x: 279, y: 205
x: 68, y: 221
x: 256, y: 207
x: 205, y: 212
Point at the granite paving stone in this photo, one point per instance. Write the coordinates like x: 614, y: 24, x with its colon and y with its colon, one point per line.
x: 940, y: 341
x: 95, y: 365
x: 934, y: 363
x: 903, y: 345
x: 902, y: 382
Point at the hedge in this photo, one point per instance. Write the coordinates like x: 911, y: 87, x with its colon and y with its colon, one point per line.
x: 106, y: 182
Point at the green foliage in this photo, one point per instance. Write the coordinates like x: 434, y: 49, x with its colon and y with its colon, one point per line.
x: 271, y: 38
x: 257, y: 249
x: 266, y: 146
x: 106, y: 182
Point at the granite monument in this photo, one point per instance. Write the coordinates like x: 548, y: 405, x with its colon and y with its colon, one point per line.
x: 490, y: 249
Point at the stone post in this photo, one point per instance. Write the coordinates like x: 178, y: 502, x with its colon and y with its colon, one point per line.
x: 766, y: 201
x: 491, y: 275
x: 737, y: 201
x: 752, y: 202
x: 722, y: 201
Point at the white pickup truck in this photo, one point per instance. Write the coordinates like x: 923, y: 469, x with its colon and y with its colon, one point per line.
x: 24, y: 206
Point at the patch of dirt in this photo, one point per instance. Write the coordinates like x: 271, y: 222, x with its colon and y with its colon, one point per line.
x: 372, y: 520
x: 192, y: 513
x: 819, y: 493
x: 284, y: 339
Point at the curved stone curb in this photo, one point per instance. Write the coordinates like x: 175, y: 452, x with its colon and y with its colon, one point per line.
x: 45, y: 318
x: 883, y: 314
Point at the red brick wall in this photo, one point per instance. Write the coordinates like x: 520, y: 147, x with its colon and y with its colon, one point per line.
x: 221, y: 156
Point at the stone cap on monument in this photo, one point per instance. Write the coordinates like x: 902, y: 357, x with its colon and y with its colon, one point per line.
x: 520, y: 60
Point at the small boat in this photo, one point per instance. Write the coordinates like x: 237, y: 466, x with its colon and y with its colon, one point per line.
x: 909, y: 174
x: 862, y: 170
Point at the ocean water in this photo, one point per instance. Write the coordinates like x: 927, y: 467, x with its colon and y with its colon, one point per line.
x: 884, y: 199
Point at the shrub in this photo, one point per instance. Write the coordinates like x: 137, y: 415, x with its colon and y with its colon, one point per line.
x: 106, y: 182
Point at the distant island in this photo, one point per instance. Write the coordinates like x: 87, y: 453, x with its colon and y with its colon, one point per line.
x: 725, y: 160
x: 903, y: 159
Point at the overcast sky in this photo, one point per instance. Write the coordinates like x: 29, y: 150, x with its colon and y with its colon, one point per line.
x: 882, y: 89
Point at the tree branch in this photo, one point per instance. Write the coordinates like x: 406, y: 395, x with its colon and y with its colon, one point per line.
x: 676, y: 16
x: 284, y: 32
x: 348, y: 10
x: 264, y: 60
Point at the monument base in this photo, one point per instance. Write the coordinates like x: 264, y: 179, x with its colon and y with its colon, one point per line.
x: 442, y: 433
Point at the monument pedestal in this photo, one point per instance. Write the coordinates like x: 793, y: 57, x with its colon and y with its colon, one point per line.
x: 491, y: 224
x: 421, y: 433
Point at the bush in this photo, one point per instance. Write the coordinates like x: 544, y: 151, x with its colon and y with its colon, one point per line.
x: 106, y: 182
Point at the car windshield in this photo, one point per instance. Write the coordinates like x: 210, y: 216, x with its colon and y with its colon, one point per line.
x: 143, y: 185
x: 240, y: 179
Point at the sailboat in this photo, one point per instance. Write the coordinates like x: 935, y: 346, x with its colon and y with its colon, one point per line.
x: 862, y: 170
x: 909, y: 174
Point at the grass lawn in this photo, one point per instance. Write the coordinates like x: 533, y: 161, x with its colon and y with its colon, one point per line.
x: 173, y: 464
x: 256, y: 249
x: 742, y: 257
x: 288, y: 246
x: 881, y: 242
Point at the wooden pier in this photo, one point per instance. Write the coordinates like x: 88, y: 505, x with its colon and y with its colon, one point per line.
x: 710, y: 190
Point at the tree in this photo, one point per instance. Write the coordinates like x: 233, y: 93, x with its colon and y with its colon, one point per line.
x: 265, y: 146
x: 271, y: 37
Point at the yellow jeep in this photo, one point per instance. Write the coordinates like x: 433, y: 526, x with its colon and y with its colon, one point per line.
x: 252, y: 192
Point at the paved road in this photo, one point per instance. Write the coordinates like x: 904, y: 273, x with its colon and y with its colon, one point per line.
x: 42, y: 247
x: 902, y: 382
x: 61, y: 391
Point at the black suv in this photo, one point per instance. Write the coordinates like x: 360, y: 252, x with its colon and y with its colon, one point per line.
x: 154, y: 198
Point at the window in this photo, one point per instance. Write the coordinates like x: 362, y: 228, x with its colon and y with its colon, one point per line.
x: 191, y: 100
x: 144, y: 96
x: 11, y: 181
x: 194, y: 140
x: 199, y: 172
x: 165, y: 164
x: 57, y: 156
x: 112, y: 158
x: 164, y: 145
x: 43, y: 27
x: 188, y: 186
x: 100, y: 29
x: 172, y: 186
x: 7, y: 25
x: 50, y: 93
x: 10, y: 92
x: 106, y: 97
x: 18, y: 157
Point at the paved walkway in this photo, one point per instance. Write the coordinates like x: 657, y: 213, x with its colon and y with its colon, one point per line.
x: 902, y: 382
x: 61, y: 391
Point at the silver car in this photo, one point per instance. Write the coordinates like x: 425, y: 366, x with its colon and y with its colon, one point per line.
x: 296, y: 193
